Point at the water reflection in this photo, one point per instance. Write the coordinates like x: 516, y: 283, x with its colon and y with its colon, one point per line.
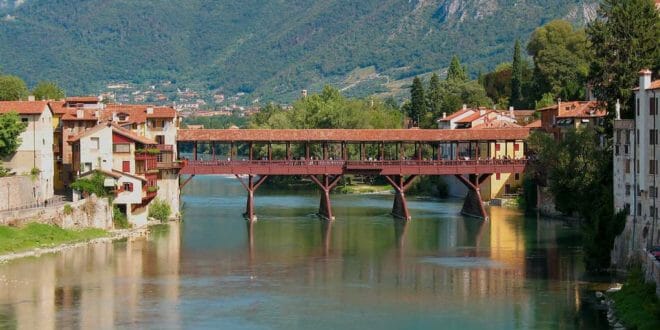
x: 291, y: 270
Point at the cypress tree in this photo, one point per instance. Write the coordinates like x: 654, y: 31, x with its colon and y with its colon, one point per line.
x: 417, y: 101
x: 434, y: 95
x: 516, y: 77
x: 456, y: 71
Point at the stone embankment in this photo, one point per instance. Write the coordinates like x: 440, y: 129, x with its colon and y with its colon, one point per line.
x: 92, y: 212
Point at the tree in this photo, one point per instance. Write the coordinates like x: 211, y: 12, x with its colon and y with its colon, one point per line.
x: 456, y: 71
x: 11, y: 128
x: 47, y: 90
x: 417, y: 107
x: 12, y: 88
x: 516, y: 98
x: 624, y: 40
x: 434, y: 95
x: 561, y: 59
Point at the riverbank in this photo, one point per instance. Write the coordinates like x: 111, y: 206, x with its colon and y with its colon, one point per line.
x: 37, y: 239
x: 636, y: 304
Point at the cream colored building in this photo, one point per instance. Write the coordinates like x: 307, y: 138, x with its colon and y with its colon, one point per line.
x: 636, y: 177
x: 35, y: 154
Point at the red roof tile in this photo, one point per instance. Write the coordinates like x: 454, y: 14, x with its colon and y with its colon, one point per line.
x: 352, y: 135
x: 456, y: 114
x: 72, y: 114
x: 138, y: 113
x: 578, y: 109
x: 23, y: 107
x: 497, y: 123
x: 472, y: 117
x: 82, y: 99
x: 115, y: 129
x: 534, y: 124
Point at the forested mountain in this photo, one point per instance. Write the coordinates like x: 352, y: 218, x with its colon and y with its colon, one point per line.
x: 272, y: 48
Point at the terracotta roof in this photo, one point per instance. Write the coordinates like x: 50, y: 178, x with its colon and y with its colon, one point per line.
x: 113, y: 174
x: 24, y: 107
x: 58, y: 107
x: 456, y: 114
x: 534, y: 124
x: 352, y: 135
x: 578, y: 109
x: 497, y: 123
x: 137, y: 113
x: 82, y: 99
x: 72, y: 114
x: 473, y: 117
x: 115, y: 129
x: 654, y: 85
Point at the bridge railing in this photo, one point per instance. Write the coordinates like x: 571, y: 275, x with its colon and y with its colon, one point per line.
x: 355, y: 163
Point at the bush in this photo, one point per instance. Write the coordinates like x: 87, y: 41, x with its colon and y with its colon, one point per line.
x: 68, y: 210
x: 94, y: 185
x: 636, y: 304
x: 160, y: 210
x: 119, y: 219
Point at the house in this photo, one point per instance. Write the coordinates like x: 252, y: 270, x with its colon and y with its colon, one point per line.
x: 35, y: 154
x: 559, y: 118
x: 498, y: 185
x: 125, y: 157
x: 636, y: 169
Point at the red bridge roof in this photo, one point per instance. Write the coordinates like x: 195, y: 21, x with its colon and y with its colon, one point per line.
x: 352, y: 135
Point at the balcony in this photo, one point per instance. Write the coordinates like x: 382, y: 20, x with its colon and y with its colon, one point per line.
x: 165, y: 147
x: 176, y: 165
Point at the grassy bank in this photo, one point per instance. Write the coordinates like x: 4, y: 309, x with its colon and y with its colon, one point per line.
x: 36, y: 235
x: 636, y: 304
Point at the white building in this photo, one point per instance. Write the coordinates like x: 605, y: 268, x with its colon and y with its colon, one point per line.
x: 636, y: 181
x: 35, y: 154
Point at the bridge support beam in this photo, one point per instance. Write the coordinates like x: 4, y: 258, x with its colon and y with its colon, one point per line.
x: 326, y: 183
x: 251, y: 186
x: 400, y: 185
x: 181, y: 185
x: 473, y: 205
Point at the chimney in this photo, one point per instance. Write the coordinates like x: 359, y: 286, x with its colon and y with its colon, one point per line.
x: 150, y: 111
x: 80, y: 113
x: 617, y: 108
x: 511, y: 113
x: 444, y: 115
x: 31, y: 98
x: 114, y: 117
x: 303, y: 93
x: 97, y: 113
x: 644, y: 79
x: 482, y: 112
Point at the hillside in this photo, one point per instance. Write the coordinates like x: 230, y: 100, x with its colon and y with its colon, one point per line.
x: 269, y: 48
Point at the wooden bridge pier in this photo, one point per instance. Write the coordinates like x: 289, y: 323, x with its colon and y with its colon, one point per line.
x: 326, y: 183
x: 473, y: 205
x: 401, y: 185
x: 251, y: 186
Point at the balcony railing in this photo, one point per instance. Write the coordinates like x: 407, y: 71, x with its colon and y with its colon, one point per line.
x: 165, y: 147
x: 170, y: 165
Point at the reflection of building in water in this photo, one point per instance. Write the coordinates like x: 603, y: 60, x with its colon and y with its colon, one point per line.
x: 105, y: 283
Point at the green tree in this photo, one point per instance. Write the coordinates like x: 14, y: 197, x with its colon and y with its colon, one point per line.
x: 47, y: 90
x: 160, y: 210
x: 11, y: 128
x: 516, y: 98
x: 12, y: 88
x: 434, y: 95
x: 625, y: 40
x: 561, y: 60
x: 456, y: 71
x: 417, y: 108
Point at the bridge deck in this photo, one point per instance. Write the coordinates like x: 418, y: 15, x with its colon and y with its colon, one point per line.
x: 337, y: 167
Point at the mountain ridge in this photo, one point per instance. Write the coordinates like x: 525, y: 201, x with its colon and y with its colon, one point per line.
x: 270, y: 49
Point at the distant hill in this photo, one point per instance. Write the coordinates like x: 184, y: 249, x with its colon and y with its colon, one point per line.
x: 268, y: 48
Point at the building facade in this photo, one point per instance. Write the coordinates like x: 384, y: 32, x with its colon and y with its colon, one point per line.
x: 35, y: 154
x: 636, y: 179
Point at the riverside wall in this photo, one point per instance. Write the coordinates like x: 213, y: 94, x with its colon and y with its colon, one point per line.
x: 18, y: 191
x: 92, y: 212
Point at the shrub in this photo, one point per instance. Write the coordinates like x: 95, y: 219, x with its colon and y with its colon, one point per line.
x: 160, y: 210
x: 68, y: 210
x: 93, y: 185
x: 119, y: 219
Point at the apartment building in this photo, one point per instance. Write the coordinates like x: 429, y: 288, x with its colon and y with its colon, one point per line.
x: 636, y: 153
x: 500, y: 184
x: 563, y: 116
x: 35, y: 154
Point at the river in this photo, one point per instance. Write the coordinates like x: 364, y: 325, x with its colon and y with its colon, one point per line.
x: 291, y: 270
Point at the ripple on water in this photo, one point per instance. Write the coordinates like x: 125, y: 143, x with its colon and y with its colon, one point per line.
x: 462, y: 262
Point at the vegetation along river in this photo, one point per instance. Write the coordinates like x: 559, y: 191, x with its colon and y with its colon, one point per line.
x: 291, y: 270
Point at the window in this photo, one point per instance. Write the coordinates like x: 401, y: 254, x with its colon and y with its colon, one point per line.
x: 652, y: 109
x: 87, y: 167
x: 651, y: 211
x: 653, y: 166
x: 639, y: 209
x: 128, y: 186
x: 497, y: 176
x: 95, y: 143
x: 627, y: 165
x: 625, y: 149
x: 637, y: 107
x: 627, y: 190
x: 616, y: 149
x: 627, y: 207
x: 637, y: 166
x: 653, y: 136
x: 24, y: 119
x: 639, y: 192
x: 121, y: 148
x: 618, y: 137
x: 497, y: 147
x: 517, y: 176
x: 653, y: 191
x: 637, y: 137
x: 516, y: 147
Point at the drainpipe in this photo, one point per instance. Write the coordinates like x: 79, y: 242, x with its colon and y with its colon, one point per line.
x: 634, y: 206
x: 655, y: 174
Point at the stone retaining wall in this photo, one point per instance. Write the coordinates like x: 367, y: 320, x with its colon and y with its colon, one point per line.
x: 91, y: 212
x: 17, y: 191
x: 651, y: 268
